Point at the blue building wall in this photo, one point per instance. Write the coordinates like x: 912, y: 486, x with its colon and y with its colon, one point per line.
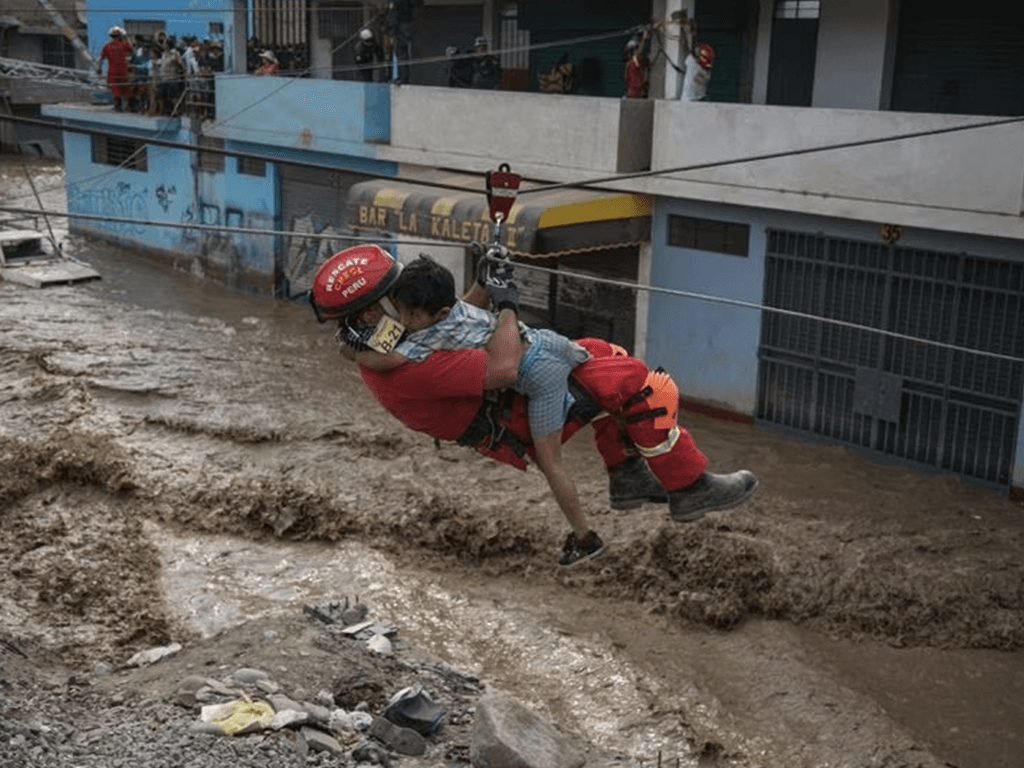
x: 239, y: 200
x: 710, y: 349
x: 164, y: 192
x: 172, y: 189
x: 311, y: 115
x: 181, y: 17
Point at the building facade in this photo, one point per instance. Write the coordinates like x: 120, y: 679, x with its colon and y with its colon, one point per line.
x: 832, y: 244
x: 42, y: 54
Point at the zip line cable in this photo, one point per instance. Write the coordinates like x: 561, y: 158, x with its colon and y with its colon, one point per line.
x: 741, y: 303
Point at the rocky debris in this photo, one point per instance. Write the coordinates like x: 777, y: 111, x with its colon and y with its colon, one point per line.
x: 411, y: 712
x: 508, y: 735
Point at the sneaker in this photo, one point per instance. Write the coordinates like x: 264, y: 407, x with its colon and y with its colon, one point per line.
x: 575, y: 551
x: 711, y: 492
x: 631, y: 483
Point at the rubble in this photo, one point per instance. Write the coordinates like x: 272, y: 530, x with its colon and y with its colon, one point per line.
x: 412, y: 712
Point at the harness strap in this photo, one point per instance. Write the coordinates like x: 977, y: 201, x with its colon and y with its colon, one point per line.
x: 585, y: 407
x: 639, y: 397
x: 486, y: 426
x: 651, y: 414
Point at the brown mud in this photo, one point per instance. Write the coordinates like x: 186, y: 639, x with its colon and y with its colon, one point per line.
x: 851, y: 614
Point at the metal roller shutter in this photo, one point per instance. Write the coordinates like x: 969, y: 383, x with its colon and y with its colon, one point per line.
x: 957, y: 58
x: 312, y: 203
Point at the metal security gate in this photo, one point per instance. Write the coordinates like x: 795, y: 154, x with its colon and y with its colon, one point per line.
x: 946, y: 408
x: 313, y: 213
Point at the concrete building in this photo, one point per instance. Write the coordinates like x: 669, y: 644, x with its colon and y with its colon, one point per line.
x: 832, y: 242
x: 42, y: 53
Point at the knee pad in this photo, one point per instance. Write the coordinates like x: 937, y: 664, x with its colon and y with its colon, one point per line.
x: 661, y: 396
x: 664, y: 398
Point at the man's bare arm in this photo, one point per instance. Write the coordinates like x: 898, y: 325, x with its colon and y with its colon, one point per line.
x: 477, y: 296
x: 504, y: 351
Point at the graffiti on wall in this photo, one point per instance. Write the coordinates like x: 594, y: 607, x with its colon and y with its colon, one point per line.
x: 311, y: 242
x: 123, y: 207
x: 239, y: 255
x: 165, y: 196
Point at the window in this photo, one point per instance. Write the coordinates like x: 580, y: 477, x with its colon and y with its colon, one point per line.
x: 211, y: 161
x: 252, y: 166
x: 122, y: 152
x: 794, y: 52
x: 146, y: 28
x: 797, y: 9
x: 707, y: 235
x: 58, y: 52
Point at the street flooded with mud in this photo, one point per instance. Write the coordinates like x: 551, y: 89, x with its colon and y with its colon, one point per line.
x: 179, y: 462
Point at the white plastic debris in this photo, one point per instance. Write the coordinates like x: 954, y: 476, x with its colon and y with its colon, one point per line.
x: 380, y: 644
x: 143, y: 658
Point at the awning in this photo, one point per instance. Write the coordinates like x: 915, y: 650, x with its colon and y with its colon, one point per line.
x: 541, y: 224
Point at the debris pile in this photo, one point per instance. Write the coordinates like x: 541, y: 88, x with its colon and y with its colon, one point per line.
x: 381, y: 704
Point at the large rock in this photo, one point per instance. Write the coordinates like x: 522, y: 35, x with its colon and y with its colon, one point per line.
x: 508, y: 735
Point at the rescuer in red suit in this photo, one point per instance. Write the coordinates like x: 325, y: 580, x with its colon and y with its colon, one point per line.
x: 117, y: 51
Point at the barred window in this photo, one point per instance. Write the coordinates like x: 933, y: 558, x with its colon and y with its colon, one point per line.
x: 211, y: 161
x: 119, y: 151
x: 708, y: 235
x: 252, y: 166
x: 58, y: 52
x: 147, y: 28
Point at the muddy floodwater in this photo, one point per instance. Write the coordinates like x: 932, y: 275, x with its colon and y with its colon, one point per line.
x: 177, y: 460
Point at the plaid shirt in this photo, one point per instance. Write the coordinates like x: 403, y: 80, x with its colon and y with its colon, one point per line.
x: 466, y: 327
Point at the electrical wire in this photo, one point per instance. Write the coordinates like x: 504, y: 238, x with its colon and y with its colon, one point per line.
x: 740, y: 303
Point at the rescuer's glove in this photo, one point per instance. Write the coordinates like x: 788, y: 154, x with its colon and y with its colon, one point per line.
x: 504, y: 293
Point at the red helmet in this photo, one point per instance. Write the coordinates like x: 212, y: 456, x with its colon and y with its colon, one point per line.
x: 705, y: 55
x: 352, y: 280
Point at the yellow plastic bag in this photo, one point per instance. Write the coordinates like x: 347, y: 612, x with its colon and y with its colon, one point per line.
x: 240, y: 716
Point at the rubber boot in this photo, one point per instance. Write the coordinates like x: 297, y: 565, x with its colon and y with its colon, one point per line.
x: 711, y: 492
x: 632, y: 483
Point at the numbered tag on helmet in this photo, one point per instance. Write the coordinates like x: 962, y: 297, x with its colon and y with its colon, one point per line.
x: 502, y: 187
x: 386, y: 335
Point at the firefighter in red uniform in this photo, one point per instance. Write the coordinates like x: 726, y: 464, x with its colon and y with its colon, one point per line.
x: 117, y: 51
x: 448, y: 395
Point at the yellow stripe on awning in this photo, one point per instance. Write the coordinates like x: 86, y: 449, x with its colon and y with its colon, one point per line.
x: 599, y: 209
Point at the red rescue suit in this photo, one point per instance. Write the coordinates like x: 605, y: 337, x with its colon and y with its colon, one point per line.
x: 615, y: 384
x: 116, y: 52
